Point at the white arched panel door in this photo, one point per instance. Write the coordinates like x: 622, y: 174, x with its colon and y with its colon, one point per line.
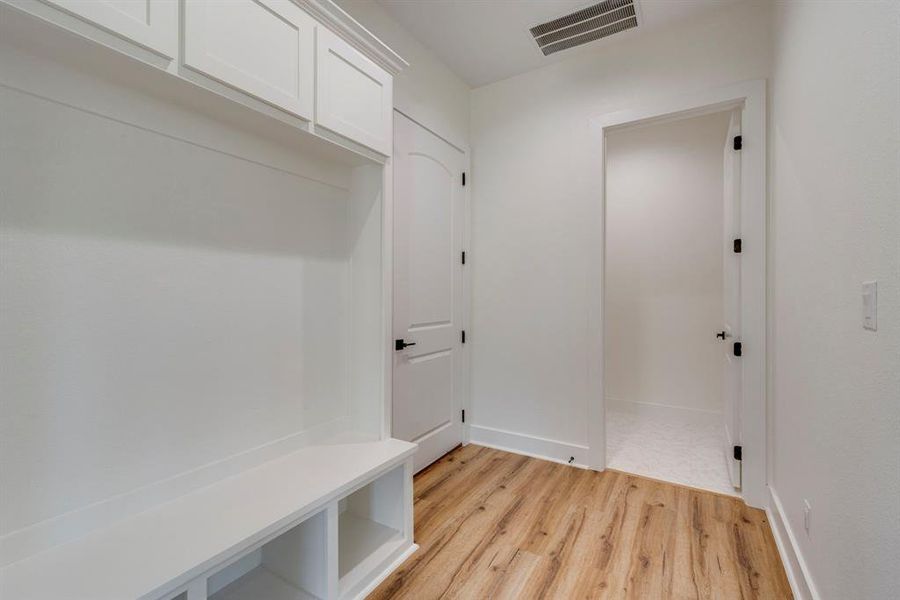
x: 428, y: 213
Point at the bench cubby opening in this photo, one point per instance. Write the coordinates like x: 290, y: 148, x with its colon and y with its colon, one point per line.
x: 291, y: 566
x: 371, y: 527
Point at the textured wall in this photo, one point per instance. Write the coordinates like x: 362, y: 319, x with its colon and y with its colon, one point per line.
x: 535, y: 197
x: 835, y: 223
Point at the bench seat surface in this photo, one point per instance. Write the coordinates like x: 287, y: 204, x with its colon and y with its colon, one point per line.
x: 158, y: 550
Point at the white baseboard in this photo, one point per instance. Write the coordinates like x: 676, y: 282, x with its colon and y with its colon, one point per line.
x: 658, y: 408
x: 794, y: 565
x: 530, y: 445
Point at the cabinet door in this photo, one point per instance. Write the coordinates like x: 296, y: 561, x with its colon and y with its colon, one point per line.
x: 353, y: 94
x: 261, y: 47
x: 149, y: 23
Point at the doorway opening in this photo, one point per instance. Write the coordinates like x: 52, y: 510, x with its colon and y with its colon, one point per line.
x: 750, y: 98
x: 672, y: 300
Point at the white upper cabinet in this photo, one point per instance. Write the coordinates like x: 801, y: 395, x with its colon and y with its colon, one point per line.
x: 264, y: 48
x: 353, y: 94
x: 306, y: 58
x: 149, y: 23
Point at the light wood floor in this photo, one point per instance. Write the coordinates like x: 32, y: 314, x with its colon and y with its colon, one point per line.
x: 496, y: 525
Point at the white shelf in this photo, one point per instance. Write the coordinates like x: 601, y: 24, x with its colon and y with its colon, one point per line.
x: 261, y: 584
x: 371, y: 525
x: 362, y: 543
x: 171, y: 545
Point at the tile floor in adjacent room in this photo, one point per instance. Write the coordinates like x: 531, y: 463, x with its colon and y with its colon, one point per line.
x: 672, y: 444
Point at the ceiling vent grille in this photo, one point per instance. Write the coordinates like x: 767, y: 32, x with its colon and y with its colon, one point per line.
x: 586, y: 25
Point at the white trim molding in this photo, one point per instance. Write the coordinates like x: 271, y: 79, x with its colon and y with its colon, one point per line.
x: 750, y: 97
x: 351, y: 31
x: 659, y: 406
x: 530, y: 445
x: 795, y: 567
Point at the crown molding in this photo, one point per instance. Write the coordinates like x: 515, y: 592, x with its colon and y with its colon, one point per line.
x: 350, y: 30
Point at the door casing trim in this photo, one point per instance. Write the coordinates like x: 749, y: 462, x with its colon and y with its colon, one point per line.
x: 750, y: 96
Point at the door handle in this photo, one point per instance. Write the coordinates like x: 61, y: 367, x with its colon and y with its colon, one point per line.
x: 400, y: 344
x: 723, y: 334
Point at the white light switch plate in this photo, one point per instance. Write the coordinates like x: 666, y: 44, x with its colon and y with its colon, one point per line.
x: 807, y: 516
x: 870, y: 305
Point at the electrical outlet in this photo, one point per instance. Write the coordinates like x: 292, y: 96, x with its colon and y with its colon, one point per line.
x: 807, y: 516
x: 870, y: 305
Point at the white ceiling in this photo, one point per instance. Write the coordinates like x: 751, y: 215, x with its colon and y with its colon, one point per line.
x: 484, y: 41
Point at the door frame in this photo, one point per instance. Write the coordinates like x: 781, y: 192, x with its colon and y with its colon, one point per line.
x: 465, y: 293
x: 750, y: 96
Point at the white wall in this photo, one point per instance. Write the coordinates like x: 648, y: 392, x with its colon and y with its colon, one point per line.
x: 535, y: 203
x: 835, y: 222
x: 158, y: 307
x: 664, y: 243
x: 427, y: 91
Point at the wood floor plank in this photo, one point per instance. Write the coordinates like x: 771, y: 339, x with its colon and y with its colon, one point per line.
x: 495, y: 525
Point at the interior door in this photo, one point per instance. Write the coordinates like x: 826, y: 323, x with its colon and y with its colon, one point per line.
x: 428, y: 212
x: 732, y: 299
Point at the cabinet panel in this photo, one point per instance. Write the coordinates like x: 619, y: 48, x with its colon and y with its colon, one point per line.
x: 149, y: 23
x: 261, y: 47
x: 353, y: 94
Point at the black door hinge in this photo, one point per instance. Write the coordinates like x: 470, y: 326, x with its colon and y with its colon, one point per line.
x: 738, y: 451
x: 463, y: 415
x: 738, y: 142
x: 464, y: 257
x: 463, y: 336
x: 464, y: 178
x: 738, y: 245
x: 738, y: 348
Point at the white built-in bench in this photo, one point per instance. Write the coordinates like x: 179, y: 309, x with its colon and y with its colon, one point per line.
x: 323, y: 522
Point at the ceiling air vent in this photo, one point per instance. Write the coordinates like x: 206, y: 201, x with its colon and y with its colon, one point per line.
x: 586, y: 25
